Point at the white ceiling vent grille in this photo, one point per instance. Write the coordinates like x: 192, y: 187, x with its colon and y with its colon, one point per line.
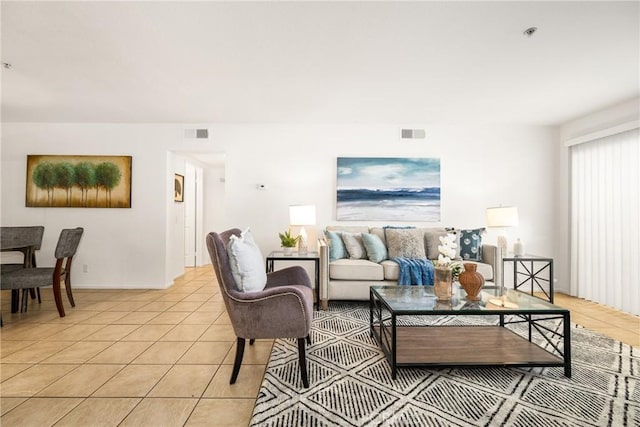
x: 413, y: 134
x: 196, y: 134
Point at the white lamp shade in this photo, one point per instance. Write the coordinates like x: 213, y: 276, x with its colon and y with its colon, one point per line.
x: 502, y: 216
x: 302, y: 215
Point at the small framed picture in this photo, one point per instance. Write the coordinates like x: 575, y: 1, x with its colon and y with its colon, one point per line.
x: 178, y: 188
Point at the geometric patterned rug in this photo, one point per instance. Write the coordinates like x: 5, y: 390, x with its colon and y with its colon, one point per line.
x: 350, y: 383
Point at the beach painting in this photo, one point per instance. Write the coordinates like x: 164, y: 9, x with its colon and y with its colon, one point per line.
x: 388, y: 189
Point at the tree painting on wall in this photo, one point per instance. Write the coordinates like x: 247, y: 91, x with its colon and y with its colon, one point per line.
x: 388, y: 189
x: 178, y: 188
x: 78, y: 181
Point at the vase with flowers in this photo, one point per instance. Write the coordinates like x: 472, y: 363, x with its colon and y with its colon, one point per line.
x: 446, y: 270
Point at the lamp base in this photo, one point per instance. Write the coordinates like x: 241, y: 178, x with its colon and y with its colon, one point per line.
x: 302, y: 249
x: 302, y: 242
x: 502, y: 244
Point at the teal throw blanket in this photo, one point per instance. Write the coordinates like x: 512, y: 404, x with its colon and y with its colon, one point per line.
x: 414, y: 271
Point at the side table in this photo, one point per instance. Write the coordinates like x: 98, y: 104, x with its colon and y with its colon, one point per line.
x: 532, y: 270
x: 309, y: 256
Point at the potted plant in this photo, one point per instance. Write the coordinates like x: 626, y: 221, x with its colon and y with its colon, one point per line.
x: 288, y: 242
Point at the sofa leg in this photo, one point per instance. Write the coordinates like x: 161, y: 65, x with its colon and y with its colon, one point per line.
x: 324, y: 304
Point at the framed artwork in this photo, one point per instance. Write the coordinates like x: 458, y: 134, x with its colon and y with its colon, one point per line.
x: 388, y: 189
x: 178, y: 188
x: 78, y: 181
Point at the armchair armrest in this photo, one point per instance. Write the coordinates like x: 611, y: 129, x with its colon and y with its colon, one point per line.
x: 282, y: 311
x: 295, y: 275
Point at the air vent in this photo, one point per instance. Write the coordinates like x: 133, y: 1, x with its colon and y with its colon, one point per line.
x: 413, y: 133
x: 196, y: 133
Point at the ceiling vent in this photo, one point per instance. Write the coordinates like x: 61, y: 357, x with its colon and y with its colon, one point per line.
x: 196, y: 133
x: 413, y: 134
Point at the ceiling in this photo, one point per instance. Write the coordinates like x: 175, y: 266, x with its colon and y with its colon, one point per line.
x: 317, y: 62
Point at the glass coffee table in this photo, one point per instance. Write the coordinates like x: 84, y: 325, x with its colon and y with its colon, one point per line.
x: 412, y: 343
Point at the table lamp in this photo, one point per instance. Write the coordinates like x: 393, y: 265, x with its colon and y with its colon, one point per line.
x: 301, y: 215
x: 502, y: 217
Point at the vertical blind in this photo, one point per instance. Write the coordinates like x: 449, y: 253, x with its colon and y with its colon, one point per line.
x: 605, y: 221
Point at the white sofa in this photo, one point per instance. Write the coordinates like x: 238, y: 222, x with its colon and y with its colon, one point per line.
x: 350, y: 279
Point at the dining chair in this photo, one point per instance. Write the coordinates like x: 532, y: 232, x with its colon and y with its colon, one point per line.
x: 34, y: 277
x: 27, y: 240
x: 283, y: 309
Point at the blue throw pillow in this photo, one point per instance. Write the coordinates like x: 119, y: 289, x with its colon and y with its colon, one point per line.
x: 336, y: 246
x: 376, y: 251
x: 471, y: 244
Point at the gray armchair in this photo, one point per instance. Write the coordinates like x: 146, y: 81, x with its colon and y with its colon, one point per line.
x: 284, y: 309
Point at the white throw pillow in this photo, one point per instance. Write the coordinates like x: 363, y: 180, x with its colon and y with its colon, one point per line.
x: 355, y: 246
x: 246, y: 263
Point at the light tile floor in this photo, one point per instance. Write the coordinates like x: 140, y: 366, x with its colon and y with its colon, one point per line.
x: 155, y: 357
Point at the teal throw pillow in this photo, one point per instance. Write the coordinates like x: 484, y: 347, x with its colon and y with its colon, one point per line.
x: 471, y: 244
x: 336, y: 246
x: 376, y: 250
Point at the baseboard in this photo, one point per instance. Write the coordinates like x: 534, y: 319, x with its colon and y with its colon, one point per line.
x: 120, y: 286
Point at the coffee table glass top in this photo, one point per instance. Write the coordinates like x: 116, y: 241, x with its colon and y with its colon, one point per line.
x: 416, y: 299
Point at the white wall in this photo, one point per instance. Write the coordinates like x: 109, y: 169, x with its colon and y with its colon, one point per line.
x: 215, y: 205
x: 119, y: 246
x: 482, y: 166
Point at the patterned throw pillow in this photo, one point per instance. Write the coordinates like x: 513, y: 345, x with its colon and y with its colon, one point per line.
x: 354, y: 245
x: 376, y: 251
x: 471, y: 244
x: 405, y: 243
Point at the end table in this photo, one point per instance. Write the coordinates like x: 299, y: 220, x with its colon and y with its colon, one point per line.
x: 295, y: 256
x: 531, y: 269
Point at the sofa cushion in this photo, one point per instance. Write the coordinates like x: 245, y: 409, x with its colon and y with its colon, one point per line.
x: 406, y: 243
x: 432, y: 241
x: 355, y: 246
x: 391, y: 270
x: 355, y: 269
x: 471, y: 244
x: 376, y: 250
x: 336, y: 246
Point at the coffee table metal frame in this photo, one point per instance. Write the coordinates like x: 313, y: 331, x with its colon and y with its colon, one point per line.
x: 384, y: 328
